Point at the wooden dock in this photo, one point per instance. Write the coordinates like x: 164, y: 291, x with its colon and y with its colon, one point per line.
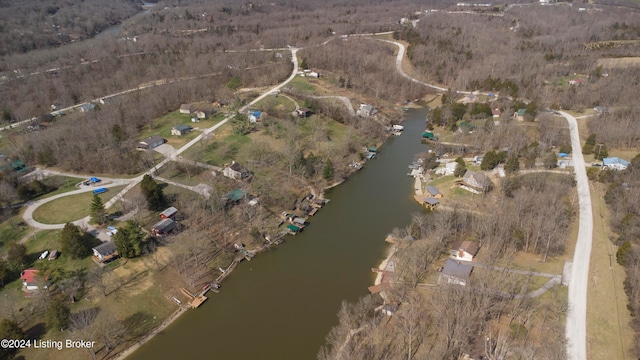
x: 195, y: 300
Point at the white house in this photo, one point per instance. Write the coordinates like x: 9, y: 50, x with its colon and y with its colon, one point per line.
x: 365, y: 110
x: 236, y: 171
x: 448, y: 168
x: 614, y: 163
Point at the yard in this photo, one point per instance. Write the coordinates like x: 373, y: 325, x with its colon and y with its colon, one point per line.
x: 70, y: 208
x: 162, y: 127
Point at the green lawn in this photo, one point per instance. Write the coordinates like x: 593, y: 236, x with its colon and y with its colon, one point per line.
x: 70, y: 208
x: 301, y: 84
x: 276, y: 104
x: 162, y: 127
x: 442, y: 180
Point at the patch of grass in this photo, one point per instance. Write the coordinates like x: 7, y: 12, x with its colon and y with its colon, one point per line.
x: 70, y: 208
x: 300, y: 84
x: 608, y: 319
x: 442, y: 180
x: 276, y: 104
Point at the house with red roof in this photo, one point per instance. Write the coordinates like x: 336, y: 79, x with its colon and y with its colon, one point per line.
x: 31, y: 280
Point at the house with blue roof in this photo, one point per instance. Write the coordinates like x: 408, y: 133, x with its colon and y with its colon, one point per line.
x: 614, y: 163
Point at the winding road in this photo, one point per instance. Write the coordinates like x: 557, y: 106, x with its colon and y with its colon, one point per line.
x: 576, y: 318
x: 576, y: 322
x: 131, y: 183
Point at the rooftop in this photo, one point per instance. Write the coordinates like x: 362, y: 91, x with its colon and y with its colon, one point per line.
x: 457, y: 269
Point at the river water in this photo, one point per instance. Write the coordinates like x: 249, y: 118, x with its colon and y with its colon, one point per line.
x: 283, y: 303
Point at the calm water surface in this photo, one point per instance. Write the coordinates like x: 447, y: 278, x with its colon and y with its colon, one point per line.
x: 282, y: 304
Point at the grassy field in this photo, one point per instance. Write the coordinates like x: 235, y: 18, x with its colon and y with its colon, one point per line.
x: 70, y: 208
x: 302, y: 85
x: 608, y: 332
x: 162, y: 127
x: 278, y: 103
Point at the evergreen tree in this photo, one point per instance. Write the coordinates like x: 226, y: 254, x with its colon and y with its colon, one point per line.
x: 461, y: 168
x: 153, y: 193
x: 512, y: 165
x: 128, y: 240
x: 17, y: 255
x: 9, y: 330
x: 327, y: 172
x: 589, y: 144
x: 74, y: 242
x: 57, y: 316
x: 98, y: 213
x: 550, y: 161
x: 601, y: 151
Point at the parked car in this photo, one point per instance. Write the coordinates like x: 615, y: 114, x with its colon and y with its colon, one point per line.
x: 44, y: 255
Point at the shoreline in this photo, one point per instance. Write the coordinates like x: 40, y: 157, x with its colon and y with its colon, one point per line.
x: 176, y: 315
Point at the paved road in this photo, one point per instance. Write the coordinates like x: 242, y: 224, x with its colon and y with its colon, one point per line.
x: 131, y: 183
x: 576, y: 330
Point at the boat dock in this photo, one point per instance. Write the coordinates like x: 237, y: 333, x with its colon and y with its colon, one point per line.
x: 195, y: 300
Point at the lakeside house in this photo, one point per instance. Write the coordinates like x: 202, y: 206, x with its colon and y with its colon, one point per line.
x: 236, y: 171
x: 179, y: 130
x: 164, y: 227
x: 464, y: 250
x: 455, y: 272
x: 476, y: 182
x: 614, y: 163
x: 151, y: 142
x: 433, y: 192
x: 365, y: 110
x: 105, y: 252
x: 448, y: 169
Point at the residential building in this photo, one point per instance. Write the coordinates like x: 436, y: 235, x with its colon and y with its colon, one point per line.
x: 365, y: 110
x: 181, y: 130
x: 105, y: 252
x: 31, y: 281
x: 464, y: 250
x: 435, y: 193
x: 476, y: 182
x: 254, y: 115
x: 614, y: 163
x: 236, y: 171
x: 151, y: 142
x: 455, y: 272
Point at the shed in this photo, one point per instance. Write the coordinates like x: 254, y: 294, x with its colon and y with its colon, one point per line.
x: 254, y: 115
x: 163, y: 227
x: 431, y: 203
x: 186, y: 109
x: 169, y: 213
x: 235, y: 195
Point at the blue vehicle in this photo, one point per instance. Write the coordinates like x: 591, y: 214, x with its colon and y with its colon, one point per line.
x: 100, y: 190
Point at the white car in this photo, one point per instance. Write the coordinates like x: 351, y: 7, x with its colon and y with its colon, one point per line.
x: 44, y: 255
